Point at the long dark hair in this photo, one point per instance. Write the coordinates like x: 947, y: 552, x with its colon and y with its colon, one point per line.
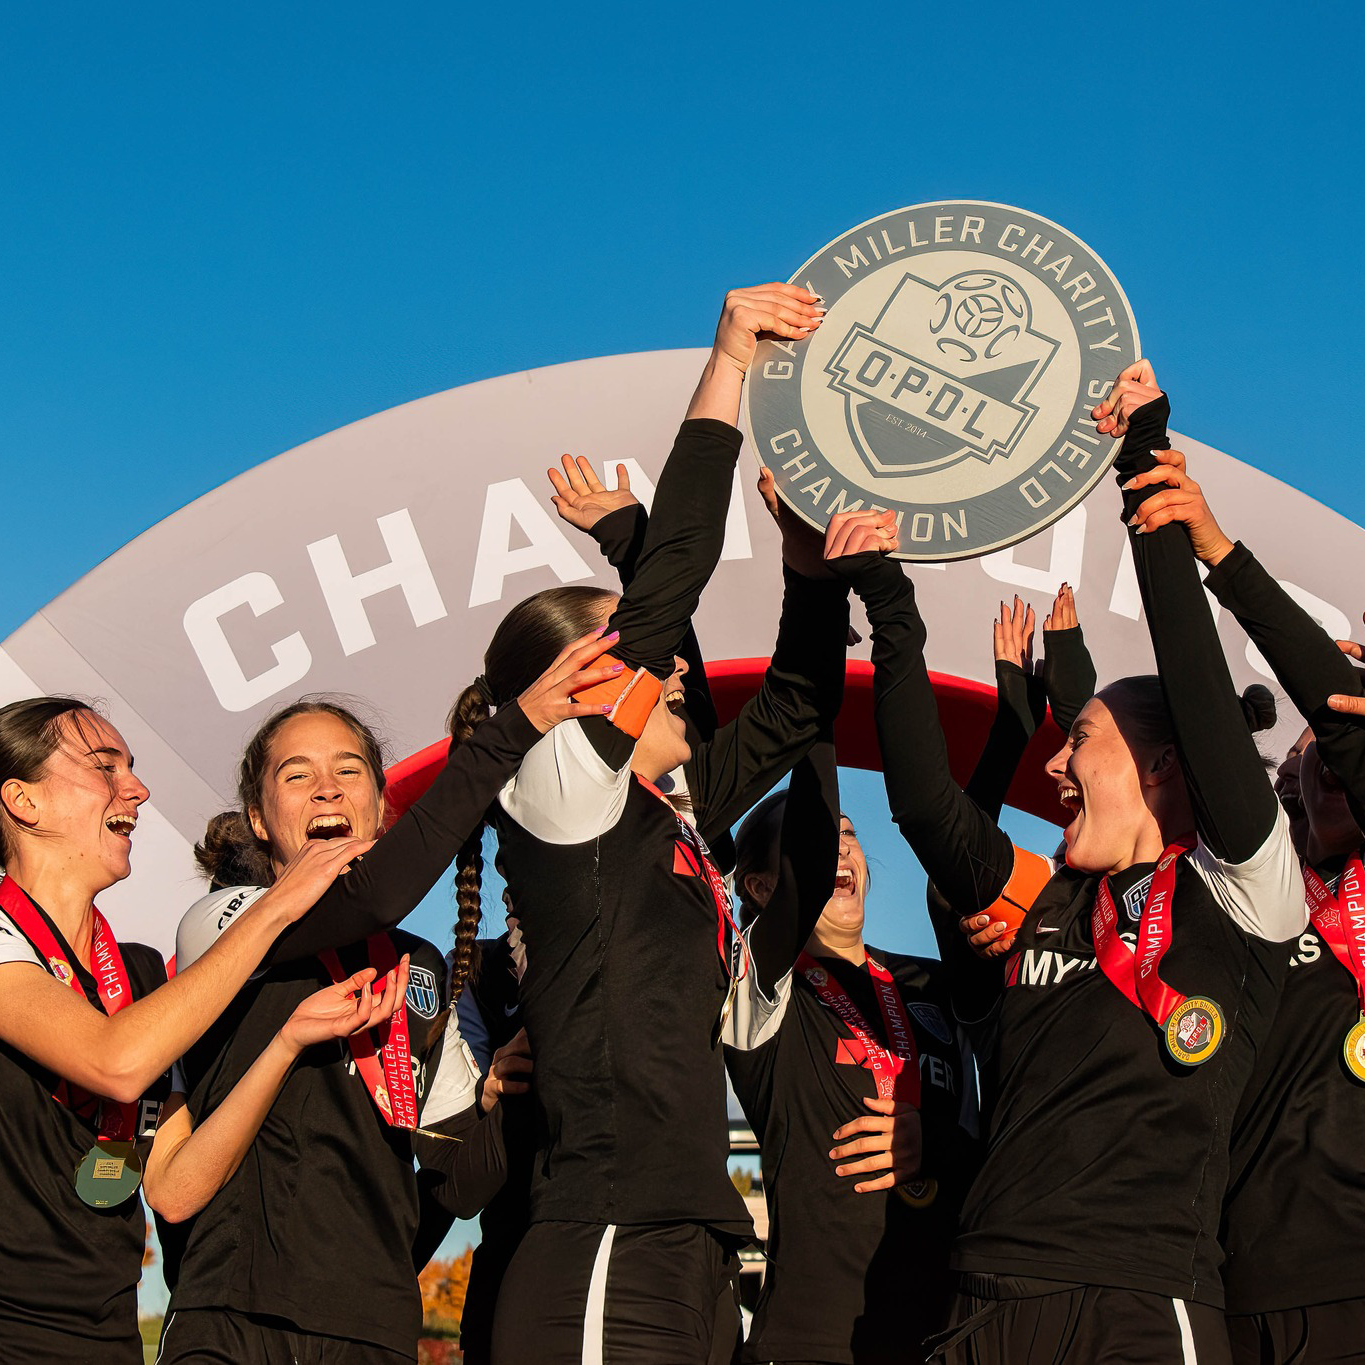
x: 30, y: 733
x: 230, y: 854
x: 522, y: 648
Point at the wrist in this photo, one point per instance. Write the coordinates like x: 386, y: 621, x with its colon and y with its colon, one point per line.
x: 1220, y: 550
x: 718, y: 391
x: 284, y: 1049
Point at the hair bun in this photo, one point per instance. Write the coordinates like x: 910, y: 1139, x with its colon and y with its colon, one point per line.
x: 229, y: 854
x: 1258, y: 706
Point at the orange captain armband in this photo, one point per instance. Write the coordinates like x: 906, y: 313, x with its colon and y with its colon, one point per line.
x: 632, y: 695
x: 1031, y: 873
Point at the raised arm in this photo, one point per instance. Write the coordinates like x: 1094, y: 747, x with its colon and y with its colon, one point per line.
x: 799, y: 698
x: 1068, y: 670
x: 617, y: 521
x: 962, y: 849
x: 1234, y: 806
x: 808, y: 856
x: 1306, y: 662
x: 1019, y: 708
x: 683, y: 542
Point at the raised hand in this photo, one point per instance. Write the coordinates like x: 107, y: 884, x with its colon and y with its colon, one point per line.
x: 778, y: 309
x: 781, y: 310
x: 510, y: 1062
x: 1063, y: 614
x: 1134, y: 388
x: 579, y: 496
x: 892, y: 1137
x: 550, y: 699
x: 1013, y: 634
x: 345, y: 1008
x: 855, y: 533
x: 1182, y: 500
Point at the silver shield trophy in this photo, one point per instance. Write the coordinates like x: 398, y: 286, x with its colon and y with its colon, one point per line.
x: 951, y: 381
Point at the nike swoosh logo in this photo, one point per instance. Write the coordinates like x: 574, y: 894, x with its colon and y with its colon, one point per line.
x: 1049, y: 929
x: 510, y: 1010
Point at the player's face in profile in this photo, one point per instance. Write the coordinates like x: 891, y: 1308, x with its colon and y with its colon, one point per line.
x: 663, y: 742
x: 1097, y: 779
x: 847, y: 907
x: 317, y: 785
x: 1334, y: 828
x: 86, y: 801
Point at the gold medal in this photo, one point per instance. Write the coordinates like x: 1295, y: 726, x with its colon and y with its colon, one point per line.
x: 1194, y: 1030
x: 1354, y: 1049
x: 109, y: 1173
x: 919, y: 1194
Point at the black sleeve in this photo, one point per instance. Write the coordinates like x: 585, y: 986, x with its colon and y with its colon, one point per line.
x: 1234, y: 805
x: 808, y: 855
x: 681, y: 548
x: 462, y: 1176
x: 1068, y: 674
x: 620, y: 535
x: 1306, y: 662
x: 800, y: 697
x: 1019, y: 710
x: 407, y: 861
x: 962, y: 849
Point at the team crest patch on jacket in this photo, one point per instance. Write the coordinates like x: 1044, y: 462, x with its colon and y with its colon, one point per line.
x: 932, y: 1019
x: 423, y: 996
x: 1135, y: 898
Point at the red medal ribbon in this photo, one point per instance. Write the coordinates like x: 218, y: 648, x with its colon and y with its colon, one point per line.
x: 1137, y: 974
x: 895, y: 1070
x: 725, y: 917
x: 1340, y: 918
x: 116, y: 1122
x: 387, y: 1076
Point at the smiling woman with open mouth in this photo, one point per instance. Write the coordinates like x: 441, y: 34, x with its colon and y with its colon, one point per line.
x: 88, y: 1030
x: 1092, y: 1230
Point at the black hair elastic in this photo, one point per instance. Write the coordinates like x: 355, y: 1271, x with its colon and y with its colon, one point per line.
x: 484, y: 688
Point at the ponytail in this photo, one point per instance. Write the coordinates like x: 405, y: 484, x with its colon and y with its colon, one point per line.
x: 472, y: 707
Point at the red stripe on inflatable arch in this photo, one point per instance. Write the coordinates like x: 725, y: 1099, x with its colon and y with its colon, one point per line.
x: 965, y: 707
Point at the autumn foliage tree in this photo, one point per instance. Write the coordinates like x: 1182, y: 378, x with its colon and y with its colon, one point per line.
x: 444, y: 1285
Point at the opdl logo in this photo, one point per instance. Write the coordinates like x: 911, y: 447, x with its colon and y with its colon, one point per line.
x: 952, y: 381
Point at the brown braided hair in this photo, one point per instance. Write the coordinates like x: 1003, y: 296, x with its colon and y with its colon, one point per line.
x: 524, y: 645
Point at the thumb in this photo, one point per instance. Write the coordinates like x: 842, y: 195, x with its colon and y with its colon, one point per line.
x: 879, y: 1105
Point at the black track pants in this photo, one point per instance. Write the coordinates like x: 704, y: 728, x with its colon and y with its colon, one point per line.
x: 585, y: 1294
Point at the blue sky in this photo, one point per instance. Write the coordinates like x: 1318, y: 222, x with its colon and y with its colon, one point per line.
x: 229, y: 230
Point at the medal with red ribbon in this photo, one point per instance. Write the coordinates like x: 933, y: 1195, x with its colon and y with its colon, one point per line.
x: 110, y: 1171
x: 692, y: 847
x: 387, y: 1073
x: 1340, y: 919
x: 1193, y: 1025
x: 895, y: 1064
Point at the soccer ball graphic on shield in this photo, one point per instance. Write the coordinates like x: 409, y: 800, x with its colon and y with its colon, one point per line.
x: 977, y: 316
